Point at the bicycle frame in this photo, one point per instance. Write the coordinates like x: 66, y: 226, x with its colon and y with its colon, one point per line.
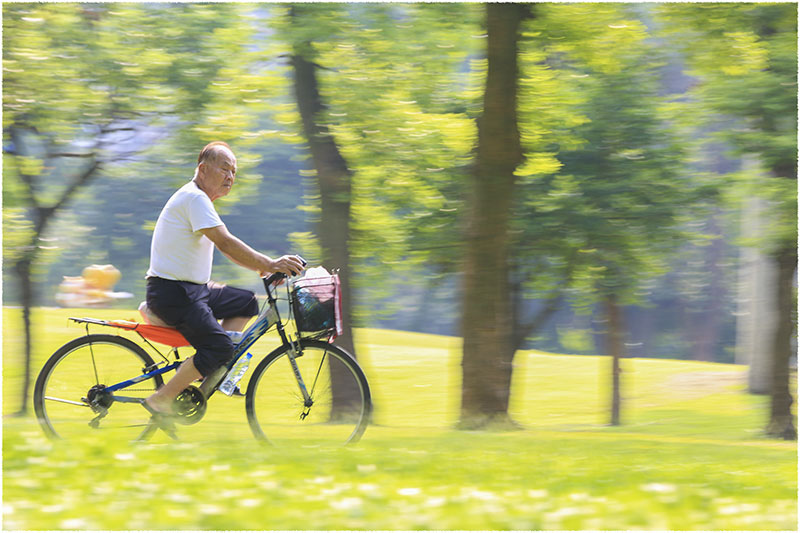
x: 268, y: 318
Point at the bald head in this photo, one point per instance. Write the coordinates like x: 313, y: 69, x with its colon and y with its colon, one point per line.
x: 216, y: 169
x: 213, y: 151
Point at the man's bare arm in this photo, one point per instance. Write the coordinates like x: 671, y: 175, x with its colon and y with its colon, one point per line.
x: 240, y: 253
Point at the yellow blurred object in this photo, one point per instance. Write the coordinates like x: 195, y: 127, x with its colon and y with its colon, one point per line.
x: 92, y: 289
x: 72, y: 284
x: 101, y: 276
x: 95, y: 293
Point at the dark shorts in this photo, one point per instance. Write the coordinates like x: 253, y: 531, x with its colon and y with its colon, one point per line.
x: 193, y: 309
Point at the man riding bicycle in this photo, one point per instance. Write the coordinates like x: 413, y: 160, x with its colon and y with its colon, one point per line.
x: 179, y: 290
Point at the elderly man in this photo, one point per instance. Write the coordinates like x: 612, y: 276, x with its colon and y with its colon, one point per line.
x: 179, y: 290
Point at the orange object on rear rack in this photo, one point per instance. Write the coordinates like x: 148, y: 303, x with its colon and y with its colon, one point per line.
x: 160, y: 334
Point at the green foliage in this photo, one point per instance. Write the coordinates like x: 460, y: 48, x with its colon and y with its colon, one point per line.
x: 603, y: 188
x: 745, y: 56
x: 137, y: 88
x: 394, y: 108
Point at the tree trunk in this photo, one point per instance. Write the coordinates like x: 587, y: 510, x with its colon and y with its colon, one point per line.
x: 23, y: 271
x: 487, y: 315
x: 615, y: 348
x: 333, y: 177
x: 757, y: 309
x: 781, y: 422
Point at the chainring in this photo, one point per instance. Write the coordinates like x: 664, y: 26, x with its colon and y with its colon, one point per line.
x: 190, y: 406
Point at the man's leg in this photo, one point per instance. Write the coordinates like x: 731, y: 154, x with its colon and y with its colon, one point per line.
x: 162, y: 399
x: 199, y: 325
x: 193, y: 317
x: 235, y: 323
x: 233, y: 305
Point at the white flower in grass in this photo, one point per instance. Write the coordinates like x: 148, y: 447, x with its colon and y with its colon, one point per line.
x: 408, y: 491
x: 179, y: 497
x: 333, y: 491
x: 211, y: 509
x: 436, y: 501
x: 537, y: 493
x: 660, y: 488
x: 740, y: 508
x: 124, y: 457
x: 345, y: 504
x: 261, y: 473
x: 74, y: 523
x: 482, y: 495
x: 366, y: 469
x: 368, y: 487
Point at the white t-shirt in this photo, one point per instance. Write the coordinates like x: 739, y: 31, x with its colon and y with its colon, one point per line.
x: 178, y: 250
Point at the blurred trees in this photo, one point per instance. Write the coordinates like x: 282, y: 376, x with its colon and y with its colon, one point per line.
x: 618, y: 202
x: 392, y: 106
x: 562, y: 184
x: 86, y: 92
x: 596, y: 188
x: 746, y: 58
x: 330, y: 169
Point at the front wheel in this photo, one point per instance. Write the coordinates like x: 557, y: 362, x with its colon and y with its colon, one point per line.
x: 340, y: 403
x: 70, y: 397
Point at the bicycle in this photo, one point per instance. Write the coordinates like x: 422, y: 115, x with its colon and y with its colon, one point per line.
x: 306, y: 390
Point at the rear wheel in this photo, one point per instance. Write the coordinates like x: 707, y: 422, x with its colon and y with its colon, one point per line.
x: 340, y: 405
x: 71, y: 399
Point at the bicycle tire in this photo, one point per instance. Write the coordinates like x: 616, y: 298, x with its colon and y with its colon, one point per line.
x: 63, y: 384
x: 274, y: 403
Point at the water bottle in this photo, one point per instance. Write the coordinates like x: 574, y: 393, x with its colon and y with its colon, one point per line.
x: 235, y: 374
x: 236, y: 336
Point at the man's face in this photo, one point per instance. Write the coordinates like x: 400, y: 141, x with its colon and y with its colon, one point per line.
x: 219, y: 175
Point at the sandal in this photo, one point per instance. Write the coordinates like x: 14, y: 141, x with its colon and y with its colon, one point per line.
x: 162, y: 420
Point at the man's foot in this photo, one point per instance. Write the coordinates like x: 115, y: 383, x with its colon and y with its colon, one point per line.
x: 156, y: 407
x: 164, y: 420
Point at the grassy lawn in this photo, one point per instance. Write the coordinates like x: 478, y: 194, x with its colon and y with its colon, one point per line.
x: 689, y: 456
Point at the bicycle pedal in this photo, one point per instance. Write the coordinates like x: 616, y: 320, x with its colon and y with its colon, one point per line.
x: 237, y: 392
x: 170, y: 433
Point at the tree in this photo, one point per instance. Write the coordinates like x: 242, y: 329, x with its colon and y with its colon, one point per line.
x: 86, y: 93
x: 746, y: 58
x: 486, y: 321
x: 388, y: 108
x: 361, y: 75
x: 592, y: 191
x: 333, y: 179
x: 625, y: 195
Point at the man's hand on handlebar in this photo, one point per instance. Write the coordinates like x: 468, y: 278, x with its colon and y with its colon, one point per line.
x: 290, y: 265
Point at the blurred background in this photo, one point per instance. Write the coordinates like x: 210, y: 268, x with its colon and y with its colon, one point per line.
x: 641, y: 191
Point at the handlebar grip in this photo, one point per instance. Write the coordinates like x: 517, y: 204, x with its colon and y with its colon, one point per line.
x: 275, y: 276
x: 302, y: 261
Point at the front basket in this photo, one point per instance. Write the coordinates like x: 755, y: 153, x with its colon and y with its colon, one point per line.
x: 316, y: 305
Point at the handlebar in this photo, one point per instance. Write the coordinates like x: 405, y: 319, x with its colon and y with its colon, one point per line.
x: 277, y: 276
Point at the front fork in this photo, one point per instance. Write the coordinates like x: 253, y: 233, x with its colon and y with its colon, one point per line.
x: 293, y: 354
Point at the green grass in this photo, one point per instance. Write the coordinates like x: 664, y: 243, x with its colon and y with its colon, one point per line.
x: 690, y: 454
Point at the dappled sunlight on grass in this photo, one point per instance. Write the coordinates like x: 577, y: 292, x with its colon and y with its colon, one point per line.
x: 689, y: 455
x: 397, y: 478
